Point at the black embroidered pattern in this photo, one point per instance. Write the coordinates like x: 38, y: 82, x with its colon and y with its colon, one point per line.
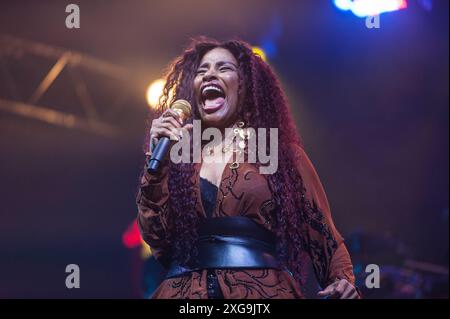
x: 246, y: 175
x: 229, y: 182
x: 315, y: 219
x: 268, y: 211
x: 182, y: 286
x: 257, y: 282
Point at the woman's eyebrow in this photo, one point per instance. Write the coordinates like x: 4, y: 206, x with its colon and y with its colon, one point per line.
x: 219, y: 64
x: 226, y: 62
x: 203, y: 65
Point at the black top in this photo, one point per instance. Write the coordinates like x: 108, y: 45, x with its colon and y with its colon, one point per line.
x: 209, y: 195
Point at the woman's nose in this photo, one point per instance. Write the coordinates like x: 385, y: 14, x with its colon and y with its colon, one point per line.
x: 209, y: 75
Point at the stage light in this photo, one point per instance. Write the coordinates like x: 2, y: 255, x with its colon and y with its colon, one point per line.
x: 365, y: 8
x: 343, y: 4
x: 259, y: 51
x: 154, y: 91
x: 132, y: 238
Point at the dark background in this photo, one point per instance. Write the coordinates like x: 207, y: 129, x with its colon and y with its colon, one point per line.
x: 370, y: 104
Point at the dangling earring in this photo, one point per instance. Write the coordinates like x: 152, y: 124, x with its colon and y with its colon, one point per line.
x: 244, y: 135
x: 242, y: 131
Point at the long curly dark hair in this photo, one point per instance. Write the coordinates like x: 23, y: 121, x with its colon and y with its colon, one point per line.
x: 262, y: 104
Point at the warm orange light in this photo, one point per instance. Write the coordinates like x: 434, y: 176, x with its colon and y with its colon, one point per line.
x: 154, y: 92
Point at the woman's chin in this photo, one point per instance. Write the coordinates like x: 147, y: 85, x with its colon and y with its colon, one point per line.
x: 216, y: 119
x: 212, y: 120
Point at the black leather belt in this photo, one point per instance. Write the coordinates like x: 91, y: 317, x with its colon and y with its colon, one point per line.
x: 230, y: 242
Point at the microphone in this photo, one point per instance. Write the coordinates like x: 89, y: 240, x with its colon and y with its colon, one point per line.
x: 183, y: 108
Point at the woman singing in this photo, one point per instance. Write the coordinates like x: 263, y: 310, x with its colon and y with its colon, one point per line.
x: 220, y: 227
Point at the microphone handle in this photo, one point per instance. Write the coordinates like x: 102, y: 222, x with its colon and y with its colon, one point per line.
x: 158, y: 155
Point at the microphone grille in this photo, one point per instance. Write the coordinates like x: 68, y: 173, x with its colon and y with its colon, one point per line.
x: 183, y: 107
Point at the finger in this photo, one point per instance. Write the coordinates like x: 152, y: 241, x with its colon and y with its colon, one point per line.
x: 349, y: 291
x: 173, y: 114
x: 355, y: 295
x: 188, y: 126
x: 153, y: 140
x: 328, y: 290
x: 167, y: 125
x: 331, y: 295
x: 341, y: 287
x: 170, y: 127
x: 153, y: 136
x: 164, y: 132
x: 171, y: 120
x: 325, y: 292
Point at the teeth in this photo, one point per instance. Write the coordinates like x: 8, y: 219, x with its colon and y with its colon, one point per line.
x: 211, y: 87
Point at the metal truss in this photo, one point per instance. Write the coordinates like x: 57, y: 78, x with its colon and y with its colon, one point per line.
x: 64, y: 59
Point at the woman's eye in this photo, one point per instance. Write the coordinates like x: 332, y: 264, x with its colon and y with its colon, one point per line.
x: 225, y: 69
x: 200, y: 71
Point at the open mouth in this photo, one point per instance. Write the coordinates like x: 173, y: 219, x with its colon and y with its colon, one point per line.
x: 212, y: 97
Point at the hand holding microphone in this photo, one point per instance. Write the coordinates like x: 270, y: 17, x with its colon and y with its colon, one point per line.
x: 166, y: 128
